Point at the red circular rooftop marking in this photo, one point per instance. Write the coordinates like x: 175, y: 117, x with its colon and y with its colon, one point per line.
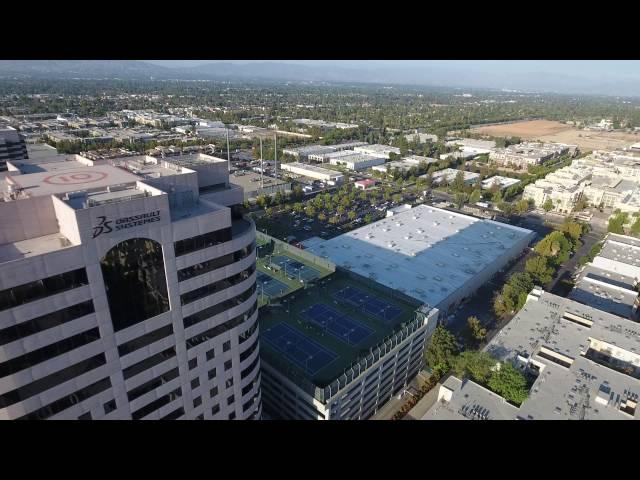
x: 72, y: 178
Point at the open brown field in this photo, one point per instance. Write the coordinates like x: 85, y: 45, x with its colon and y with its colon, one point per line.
x: 548, y: 131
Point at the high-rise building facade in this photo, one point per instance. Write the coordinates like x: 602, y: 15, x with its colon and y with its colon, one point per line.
x: 127, y: 291
x: 12, y: 147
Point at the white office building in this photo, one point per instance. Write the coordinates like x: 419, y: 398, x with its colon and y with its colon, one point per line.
x: 377, y: 150
x: 312, y: 171
x: 357, y: 161
x: 127, y: 292
x: 581, y: 363
x: 436, y: 256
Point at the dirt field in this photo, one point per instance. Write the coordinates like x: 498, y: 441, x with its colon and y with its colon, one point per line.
x: 548, y: 131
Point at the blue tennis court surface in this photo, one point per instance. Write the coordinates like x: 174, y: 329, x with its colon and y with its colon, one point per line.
x: 299, y: 349
x: 295, y: 269
x: 271, y: 286
x: 369, y: 304
x: 341, y: 326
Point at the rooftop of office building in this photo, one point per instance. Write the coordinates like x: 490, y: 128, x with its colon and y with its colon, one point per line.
x: 583, y: 364
x: 605, y: 290
x: 621, y: 248
x: 426, y: 252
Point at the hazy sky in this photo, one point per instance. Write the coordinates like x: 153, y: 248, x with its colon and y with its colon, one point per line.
x: 604, y: 77
x: 569, y: 67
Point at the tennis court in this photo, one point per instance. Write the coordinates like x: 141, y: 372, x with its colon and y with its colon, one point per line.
x: 298, y: 348
x: 271, y: 286
x: 382, y: 310
x: 295, y: 269
x: 339, y: 325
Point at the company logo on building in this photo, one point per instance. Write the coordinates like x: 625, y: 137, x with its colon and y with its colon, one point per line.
x: 108, y: 226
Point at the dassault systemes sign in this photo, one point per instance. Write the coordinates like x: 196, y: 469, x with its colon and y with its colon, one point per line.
x: 107, y: 225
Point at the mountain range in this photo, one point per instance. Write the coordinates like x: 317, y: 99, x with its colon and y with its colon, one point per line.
x: 451, y: 74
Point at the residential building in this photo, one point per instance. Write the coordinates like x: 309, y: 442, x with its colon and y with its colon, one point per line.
x: 127, y: 291
x: 522, y: 155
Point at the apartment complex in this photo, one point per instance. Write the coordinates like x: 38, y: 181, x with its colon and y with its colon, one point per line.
x: 522, y: 155
x: 127, y: 291
x: 12, y: 147
x: 604, y: 178
x: 564, y: 188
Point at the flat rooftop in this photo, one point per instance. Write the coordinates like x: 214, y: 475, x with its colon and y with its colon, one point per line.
x: 606, y: 290
x: 311, y: 168
x: 573, y: 331
x: 250, y: 181
x: 33, y: 246
x: 426, y: 252
x: 469, y: 401
x: 621, y: 248
x: 502, y: 182
x: 68, y: 180
x: 323, y: 301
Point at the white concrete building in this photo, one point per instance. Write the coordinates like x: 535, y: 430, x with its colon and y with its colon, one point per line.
x: 522, y: 155
x: 472, y: 146
x: 377, y: 150
x: 312, y: 171
x: 584, y: 364
x: 127, y: 292
x: 436, y: 256
x: 607, y: 291
x: 404, y: 164
x: 448, y: 175
x: 502, y: 182
x: 357, y: 161
x: 620, y: 254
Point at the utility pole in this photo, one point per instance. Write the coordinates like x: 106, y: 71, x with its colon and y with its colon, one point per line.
x: 228, y: 152
x: 275, y: 154
x: 261, y: 166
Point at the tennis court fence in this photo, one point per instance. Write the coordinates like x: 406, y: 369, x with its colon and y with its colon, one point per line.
x: 284, y: 247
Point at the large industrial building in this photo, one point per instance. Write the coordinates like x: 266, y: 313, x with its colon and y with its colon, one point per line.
x: 404, y: 164
x: 339, y: 348
x: 311, y: 171
x: 357, y: 161
x: 127, y: 292
x: 581, y: 364
x: 436, y: 256
x: 377, y: 150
